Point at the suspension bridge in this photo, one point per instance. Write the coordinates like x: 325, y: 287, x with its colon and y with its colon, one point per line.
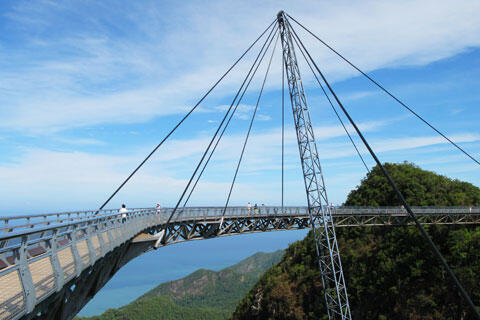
x: 51, y: 265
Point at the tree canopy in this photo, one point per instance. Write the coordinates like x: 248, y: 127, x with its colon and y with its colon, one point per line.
x: 419, y: 187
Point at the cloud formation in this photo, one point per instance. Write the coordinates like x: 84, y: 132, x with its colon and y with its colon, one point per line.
x: 160, y: 57
x: 55, y: 180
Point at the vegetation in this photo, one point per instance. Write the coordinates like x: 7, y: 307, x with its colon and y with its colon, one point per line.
x: 204, y: 294
x: 159, y: 307
x: 419, y: 187
x: 390, y: 271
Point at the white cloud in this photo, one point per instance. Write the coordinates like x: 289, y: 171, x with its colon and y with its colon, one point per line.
x: 157, y: 63
x: 80, y: 141
x: 358, y: 95
x: 263, y: 117
x: 243, y: 111
x: 54, y: 180
x: 385, y: 145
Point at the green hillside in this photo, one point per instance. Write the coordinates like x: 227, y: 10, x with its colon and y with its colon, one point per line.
x: 204, y: 294
x: 390, y: 272
x: 419, y: 187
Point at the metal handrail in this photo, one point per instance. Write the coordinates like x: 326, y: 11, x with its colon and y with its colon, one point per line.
x: 64, y: 217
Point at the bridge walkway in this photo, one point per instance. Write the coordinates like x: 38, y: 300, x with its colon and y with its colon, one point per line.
x: 61, y: 260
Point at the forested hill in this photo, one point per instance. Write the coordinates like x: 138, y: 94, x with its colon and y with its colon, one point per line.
x: 419, y: 187
x: 390, y: 272
x: 204, y: 294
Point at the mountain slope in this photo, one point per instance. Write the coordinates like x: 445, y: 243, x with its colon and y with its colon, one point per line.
x: 224, y: 288
x: 204, y: 294
x: 390, y: 272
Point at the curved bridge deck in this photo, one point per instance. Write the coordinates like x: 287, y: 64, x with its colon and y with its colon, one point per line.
x: 51, y: 265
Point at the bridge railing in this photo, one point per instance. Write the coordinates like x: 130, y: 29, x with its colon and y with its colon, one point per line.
x: 216, y: 212
x: 38, y: 261
x: 402, y: 211
x: 15, y: 223
x: 25, y: 222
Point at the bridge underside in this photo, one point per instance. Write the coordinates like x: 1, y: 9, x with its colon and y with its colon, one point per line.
x: 74, y: 295
x: 193, y: 229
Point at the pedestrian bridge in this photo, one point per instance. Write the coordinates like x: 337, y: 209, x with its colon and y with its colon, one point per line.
x: 51, y: 265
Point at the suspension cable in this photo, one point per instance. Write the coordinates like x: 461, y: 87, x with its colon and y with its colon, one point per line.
x: 331, y: 104
x: 183, y: 119
x: 283, y: 129
x: 397, y: 191
x: 223, y: 131
x: 250, y: 127
x: 269, y: 39
x: 386, y: 91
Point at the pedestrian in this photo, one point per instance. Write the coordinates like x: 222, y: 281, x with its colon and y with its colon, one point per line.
x: 158, y: 208
x: 255, y: 209
x: 249, y: 208
x: 263, y: 209
x: 123, y: 210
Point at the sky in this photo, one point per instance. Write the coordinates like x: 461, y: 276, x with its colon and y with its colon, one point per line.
x: 88, y: 88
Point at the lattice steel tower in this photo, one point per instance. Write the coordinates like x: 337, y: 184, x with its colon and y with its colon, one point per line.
x: 329, y: 261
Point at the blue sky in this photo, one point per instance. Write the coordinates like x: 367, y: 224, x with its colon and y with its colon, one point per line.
x: 88, y: 88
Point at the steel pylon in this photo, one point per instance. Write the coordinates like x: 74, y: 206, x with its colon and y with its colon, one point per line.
x: 326, y: 246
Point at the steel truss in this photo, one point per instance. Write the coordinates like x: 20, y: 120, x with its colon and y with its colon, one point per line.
x: 336, y: 298
x: 193, y: 229
x: 204, y: 228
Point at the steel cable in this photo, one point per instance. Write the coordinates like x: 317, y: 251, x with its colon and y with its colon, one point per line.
x: 223, y: 131
x: 397, y: 191
x: 331, y: 104
x: 250, y: 127
x: 387, y: 92
x: 283, y: 129
x: 216, y: 132
x: 183, y: 119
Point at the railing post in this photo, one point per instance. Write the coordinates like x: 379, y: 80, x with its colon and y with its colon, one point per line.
x: 120, y: 230
x: 130, y: 226
x: 57, y: 268
x: 101, y: 240
x: 76, y: 256
x: 109, y: 231
x: 91, y: 249
x: 26, y: 277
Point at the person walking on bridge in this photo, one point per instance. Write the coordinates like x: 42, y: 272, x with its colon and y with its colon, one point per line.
x: 249, y: 208
x: 255, y: 209
x: 123, y: 210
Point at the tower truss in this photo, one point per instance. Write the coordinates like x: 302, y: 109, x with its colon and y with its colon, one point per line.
x: 326, y: 245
